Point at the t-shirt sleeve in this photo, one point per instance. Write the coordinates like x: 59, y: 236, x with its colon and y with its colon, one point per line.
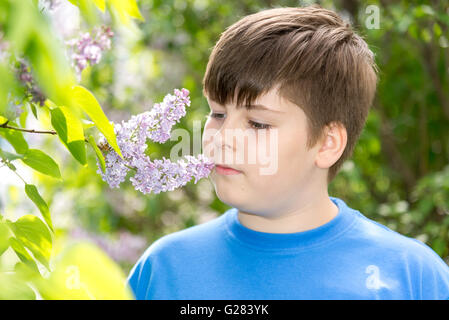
x: 139, y: 276
x: 434, y: 275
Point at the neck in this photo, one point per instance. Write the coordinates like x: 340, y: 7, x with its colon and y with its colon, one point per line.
x: 304, y: 217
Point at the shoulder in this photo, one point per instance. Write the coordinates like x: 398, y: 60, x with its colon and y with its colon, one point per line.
x: 173, y: 250
x: 380, y: 235
x: 412, y: 254
x: 182, y: 241
x: 388, y: 239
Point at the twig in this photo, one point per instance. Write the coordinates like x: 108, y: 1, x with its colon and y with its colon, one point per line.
x: 5, y: 125
x: 132, y: 168
x: 27, y: 130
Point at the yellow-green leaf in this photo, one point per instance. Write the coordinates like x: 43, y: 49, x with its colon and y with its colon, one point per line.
x: 33, y: 234
x: 4, y: 237
x: 10, y: 156
x: 12, y: 287
x: 86, y: 101
x: 15, y: 138
x: 70, y: 131
x: 41, y: 162
x: 98, y: 153
x: 40, y: 203
x: 88, y: 10
x: 126, y: 9
x: 101, y: 4
x: 23, y: 255
x: 83, y: 271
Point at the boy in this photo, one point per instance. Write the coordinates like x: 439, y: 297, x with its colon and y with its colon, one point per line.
x: 308, y: 80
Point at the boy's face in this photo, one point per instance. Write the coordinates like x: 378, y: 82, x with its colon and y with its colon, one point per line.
x: 277, y: 172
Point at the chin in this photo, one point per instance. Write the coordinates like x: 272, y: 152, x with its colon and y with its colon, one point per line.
x: 230, y: 196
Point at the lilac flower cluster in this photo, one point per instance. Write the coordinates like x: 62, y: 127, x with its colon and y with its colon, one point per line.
x: 31, y: 88
x: 88, y: 48
x: 158, y: 175
x: 22, y: 71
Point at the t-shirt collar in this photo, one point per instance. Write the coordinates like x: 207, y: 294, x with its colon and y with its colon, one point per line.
x: 290, y: 241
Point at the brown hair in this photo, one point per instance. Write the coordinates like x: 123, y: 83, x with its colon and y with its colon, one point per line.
x: 315, y: 57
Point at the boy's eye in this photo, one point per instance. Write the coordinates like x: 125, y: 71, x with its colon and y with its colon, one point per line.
x: 253, y: 124
x: 216, y: 115
x: 258, y: 126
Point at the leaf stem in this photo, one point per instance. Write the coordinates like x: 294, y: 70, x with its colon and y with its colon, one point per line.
x: 5, y: 164
x: 132, y: 168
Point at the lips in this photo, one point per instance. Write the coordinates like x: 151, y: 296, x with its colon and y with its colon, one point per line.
x: 226, y: 167
x: 224, y: 170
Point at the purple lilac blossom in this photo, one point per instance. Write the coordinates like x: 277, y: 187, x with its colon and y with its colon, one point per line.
x: 24, y: 75
x: 159, y: 175
x: 89, y: 47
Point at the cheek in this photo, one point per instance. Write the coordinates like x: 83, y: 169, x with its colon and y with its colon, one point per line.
x: 293, y: 156
x: 290, y: 153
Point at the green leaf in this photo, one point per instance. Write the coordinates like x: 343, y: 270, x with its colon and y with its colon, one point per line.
x: 126, y: 9
x: 10, y: 156
x: 22, y: 118
x: 88, y: 124
x: 15, y: 138
x: 70, y: 131
x: 25, y: 273
x: 83, y: 271
x: 87, y: 8
x: 98, y: 153
x: 33, y: 109
x: 40, y: 203
x: 33, y: 234
x: 4, y: 237
x: 85, y: 100
x: 12, y: 287
x: 41, y: 162
x: 23, y: 255
x: 101, y: 4
x: 59, y: 123
x: 437, y: 30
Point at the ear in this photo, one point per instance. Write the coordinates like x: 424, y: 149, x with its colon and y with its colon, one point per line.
x: 332, y: 145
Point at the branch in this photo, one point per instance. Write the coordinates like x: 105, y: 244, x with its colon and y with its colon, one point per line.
x: 5, y: 125
x: 26, y: 130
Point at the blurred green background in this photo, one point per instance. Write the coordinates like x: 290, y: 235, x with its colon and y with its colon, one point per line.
x: 399, y: 172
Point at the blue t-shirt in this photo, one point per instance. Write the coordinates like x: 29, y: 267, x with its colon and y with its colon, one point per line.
x: 349, y: 257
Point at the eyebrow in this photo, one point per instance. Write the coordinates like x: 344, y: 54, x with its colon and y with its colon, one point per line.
x: 262, y: 107
x: 257, y: 107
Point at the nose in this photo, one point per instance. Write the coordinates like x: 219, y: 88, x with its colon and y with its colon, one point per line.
x: 225, y: 141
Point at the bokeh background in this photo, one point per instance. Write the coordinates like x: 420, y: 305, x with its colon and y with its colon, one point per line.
x: 399, y: 172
